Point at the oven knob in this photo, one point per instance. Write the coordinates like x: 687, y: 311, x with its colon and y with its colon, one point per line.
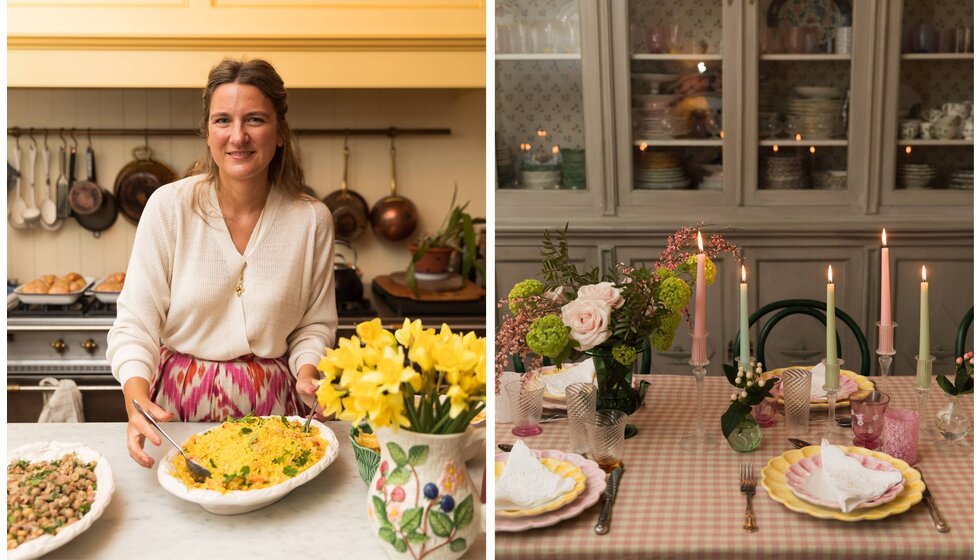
x: 89, y: 346
x: 59, y: 346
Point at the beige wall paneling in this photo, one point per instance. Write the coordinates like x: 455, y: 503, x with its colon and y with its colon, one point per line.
x: 428, y: 166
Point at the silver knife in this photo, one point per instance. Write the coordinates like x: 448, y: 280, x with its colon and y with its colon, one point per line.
x: 937, y: 517
x: 609, y: 498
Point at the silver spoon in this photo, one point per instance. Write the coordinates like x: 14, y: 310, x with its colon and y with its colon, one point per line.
x: 306, y: 426
x: 198, y: 473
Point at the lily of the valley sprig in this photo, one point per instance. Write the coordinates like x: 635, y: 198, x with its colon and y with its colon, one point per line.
x: 963, y: 378
x: 425, y: 380
x: 750, y: 390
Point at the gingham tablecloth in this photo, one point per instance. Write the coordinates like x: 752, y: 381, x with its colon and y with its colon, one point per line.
x: 675, y: 505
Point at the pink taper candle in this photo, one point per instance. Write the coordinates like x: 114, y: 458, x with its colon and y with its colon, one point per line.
x: 699, y: 351
x: 886, y: 342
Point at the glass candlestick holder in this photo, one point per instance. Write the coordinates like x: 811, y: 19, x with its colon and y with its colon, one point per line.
x: 923, y: 383
x: 832, y: 432
x: 698, y: 438
x: 885, y: 351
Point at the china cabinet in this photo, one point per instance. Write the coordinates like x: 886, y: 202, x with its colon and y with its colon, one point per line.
x: 778, y: 122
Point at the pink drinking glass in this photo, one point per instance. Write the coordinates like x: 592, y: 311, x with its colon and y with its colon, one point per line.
x: 868, y: 418
x: 900, y: 439
x: 527, y: 400
x: 656, y: 40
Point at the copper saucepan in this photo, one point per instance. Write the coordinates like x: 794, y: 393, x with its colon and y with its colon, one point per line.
x: 349, y: 209
x: 394, y: 217
x: 138, y: 180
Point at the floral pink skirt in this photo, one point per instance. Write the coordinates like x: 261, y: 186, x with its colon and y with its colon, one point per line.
x: 197, y: 390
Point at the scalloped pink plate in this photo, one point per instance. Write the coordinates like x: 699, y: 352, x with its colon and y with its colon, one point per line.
x: 595, y: 485
x: 847, y: 386
x: 801, y: 481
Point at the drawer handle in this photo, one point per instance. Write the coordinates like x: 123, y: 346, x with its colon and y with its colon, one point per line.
x: 59, y: 346
x: 89, y: 346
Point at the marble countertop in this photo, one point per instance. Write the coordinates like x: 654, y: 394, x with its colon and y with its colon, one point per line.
x: 327, y: 517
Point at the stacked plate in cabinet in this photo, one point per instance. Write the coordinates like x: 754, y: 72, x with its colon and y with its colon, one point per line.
x: 961, y: 179
x: 505, y: 165
x: 659, y: 171
x: 662, y: 124
x: 814, y: 118
x: 916, y: 175
x: 573, y: 168
x: 783, y: 172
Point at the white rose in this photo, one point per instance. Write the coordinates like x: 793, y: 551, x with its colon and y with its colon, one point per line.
x: 589, y: 321
x: 604, y: 291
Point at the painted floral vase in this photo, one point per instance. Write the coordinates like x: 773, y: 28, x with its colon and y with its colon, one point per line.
x: 421, y: 501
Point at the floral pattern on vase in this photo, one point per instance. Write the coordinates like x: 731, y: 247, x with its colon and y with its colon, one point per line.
x: 421, y: 501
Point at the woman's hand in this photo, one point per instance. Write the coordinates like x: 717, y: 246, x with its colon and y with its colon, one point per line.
x: 307, y: 381
x: 139, y: 429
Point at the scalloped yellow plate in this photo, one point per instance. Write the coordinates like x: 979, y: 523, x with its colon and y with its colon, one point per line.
x: 864, y: 384
x: 774, y: 481
x: 563, y: 468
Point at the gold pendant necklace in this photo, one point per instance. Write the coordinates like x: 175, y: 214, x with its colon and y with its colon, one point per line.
x: 240, y: 289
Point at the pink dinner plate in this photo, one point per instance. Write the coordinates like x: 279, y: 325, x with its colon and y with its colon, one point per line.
x: 847, y: 386
x: 800, y: 480
x: 595, y: 485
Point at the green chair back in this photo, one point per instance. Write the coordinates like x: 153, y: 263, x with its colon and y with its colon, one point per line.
x: 785, y: 308
x: 961, y: 333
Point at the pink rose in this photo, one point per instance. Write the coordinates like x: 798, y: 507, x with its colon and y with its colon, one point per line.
x: 589, y: 321
x: 556, y: 294
x: 604, y: 291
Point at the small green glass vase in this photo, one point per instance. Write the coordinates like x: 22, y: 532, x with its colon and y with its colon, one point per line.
x: 747, y: 436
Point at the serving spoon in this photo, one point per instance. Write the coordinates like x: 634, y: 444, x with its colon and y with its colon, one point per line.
x: 198, y: 473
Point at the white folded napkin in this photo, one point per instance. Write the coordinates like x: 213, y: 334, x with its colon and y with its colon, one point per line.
x: 526, y: 483
x: 555, y: 383
x: 849, y: 483
x: 818, y: 377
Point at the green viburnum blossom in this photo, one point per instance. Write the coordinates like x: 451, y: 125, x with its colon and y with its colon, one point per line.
x: 548, y: 336
x: 709, y: 269
x: 523, y: 289
x: 664, y: 273
x: 624, y: 354
x: 674, y: 293
x: 663, y: 337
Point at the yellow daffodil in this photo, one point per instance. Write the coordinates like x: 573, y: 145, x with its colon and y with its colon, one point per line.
x: 329, y: 397
x: 459, y: 400
x: 373, y: 334
x: 409, y: 332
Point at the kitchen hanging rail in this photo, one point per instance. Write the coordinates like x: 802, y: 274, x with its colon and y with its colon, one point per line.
x: 391, y: 131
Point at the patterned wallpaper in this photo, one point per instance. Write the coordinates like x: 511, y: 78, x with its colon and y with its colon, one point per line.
x: 698, y: 20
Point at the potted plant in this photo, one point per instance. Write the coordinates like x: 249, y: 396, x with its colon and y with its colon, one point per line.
x: 433, y: 252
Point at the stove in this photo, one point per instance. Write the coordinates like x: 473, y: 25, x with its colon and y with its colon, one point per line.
x: 356, y: 308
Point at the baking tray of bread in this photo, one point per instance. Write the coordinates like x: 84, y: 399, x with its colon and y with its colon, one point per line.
x: 53, y: 290
x: 108, y: 287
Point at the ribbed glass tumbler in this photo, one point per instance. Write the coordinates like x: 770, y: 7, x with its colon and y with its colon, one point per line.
x: 796, y: 397
x: 527, y: 400
x: 607, y: 436
x: 580, y: 401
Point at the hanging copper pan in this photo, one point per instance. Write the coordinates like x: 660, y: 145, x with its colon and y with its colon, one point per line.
x: 138, y: 180
x: 349, y: 209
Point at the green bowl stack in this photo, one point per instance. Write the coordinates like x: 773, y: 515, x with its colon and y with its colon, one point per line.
x: 573, y: 168
x: 367, y: 458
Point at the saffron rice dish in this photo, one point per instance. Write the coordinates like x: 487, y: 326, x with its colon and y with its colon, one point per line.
x: 250, y: 453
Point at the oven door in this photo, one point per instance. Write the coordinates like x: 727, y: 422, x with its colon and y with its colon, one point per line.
x: 102, y: 397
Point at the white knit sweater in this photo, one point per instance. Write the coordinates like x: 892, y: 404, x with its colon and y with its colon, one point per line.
x: 180, y: 288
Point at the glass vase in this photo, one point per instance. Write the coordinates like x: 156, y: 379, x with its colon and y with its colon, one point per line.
x: 952, y: 421
x: 747, y: 436
x: 615, y: 383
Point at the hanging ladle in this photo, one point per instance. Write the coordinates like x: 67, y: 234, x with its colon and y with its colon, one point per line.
x: 49, y: 210
x: 31, y: 213
x: 17, y: 207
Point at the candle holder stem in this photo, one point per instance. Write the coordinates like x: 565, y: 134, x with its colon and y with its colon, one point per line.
x: 831, y: 431
x: 885, y: 351
x: 699, y: 439
x: 922, y: 406
x: 885, y: 366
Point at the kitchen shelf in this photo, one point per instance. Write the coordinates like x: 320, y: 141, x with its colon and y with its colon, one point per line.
x: 681, y: 142
x: 679, y: 56
x: 937, y: 56
x: 805, y: 57
x: 923, y: 142
x: 539, y: 56
x: 790, y: 142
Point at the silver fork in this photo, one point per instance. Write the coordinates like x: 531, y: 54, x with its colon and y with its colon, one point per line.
x: 198, y: 473
x: 746, y: 485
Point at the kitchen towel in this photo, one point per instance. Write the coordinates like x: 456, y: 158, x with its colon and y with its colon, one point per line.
x: 64, y: 404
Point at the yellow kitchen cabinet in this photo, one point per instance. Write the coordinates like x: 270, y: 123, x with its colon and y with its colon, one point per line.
x: 313, y: 43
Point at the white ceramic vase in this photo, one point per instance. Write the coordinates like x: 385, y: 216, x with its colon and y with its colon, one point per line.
x: 421, y: 502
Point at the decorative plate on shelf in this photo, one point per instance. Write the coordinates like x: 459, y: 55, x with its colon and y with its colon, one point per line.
x: 774, y: 480
x: 595, y: 484
x: 557, y: 466
x: 821, y: 14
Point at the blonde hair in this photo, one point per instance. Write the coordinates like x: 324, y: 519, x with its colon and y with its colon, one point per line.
x: 285, y: 172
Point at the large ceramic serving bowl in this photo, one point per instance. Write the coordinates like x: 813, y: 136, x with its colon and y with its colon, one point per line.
x: 50, y: 451
x: 243, y: 501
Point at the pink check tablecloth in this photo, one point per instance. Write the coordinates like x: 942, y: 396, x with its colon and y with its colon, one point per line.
x: 675, y: 505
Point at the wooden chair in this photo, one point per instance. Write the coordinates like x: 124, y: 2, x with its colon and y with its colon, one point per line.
x: 785, y: 308
x: 961, y: 334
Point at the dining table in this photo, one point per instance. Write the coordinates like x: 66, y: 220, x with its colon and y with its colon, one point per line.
x: 325, y: 518
x: 677, y: 504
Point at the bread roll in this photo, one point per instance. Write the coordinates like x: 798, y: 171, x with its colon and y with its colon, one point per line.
x: 77, y: 285
x: 109, y: 286
x: 59, y: 289
x: 119, y: 277
x: 48, y: 279
x: 72, y: 276
x: 34, y: 287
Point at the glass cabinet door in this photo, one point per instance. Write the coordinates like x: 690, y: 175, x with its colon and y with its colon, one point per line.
x: 929, y: 142
x: 543, y: 98
x: 676, y: 104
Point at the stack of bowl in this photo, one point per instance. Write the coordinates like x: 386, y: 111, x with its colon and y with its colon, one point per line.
x: 659, y: 170
x: 541, y: 176
x: 783, y: 172
x: 573, y: 168
x: 916, y: 175
x: 714, y: 177
x: 830, y: 179
x: 815, y: 114
x: 961, y: 179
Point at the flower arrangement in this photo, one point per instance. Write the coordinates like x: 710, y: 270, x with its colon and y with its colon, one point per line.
x: 750, y: 390
x: 963, y: 378
x: 626, y: 308
x: 456, y: 234
x: 420, y: 379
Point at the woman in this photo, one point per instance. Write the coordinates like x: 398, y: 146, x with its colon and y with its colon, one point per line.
x: 229, y: 297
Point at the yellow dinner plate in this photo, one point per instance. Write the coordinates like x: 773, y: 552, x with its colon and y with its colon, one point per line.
x: 563, y: 468
x: 774, y: 481
x: 863, y: 383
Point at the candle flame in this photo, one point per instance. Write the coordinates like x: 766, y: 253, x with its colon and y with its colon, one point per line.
x: 830, y: 274
x: 923, y: 273
x: 775, y: 147
x: 799, y: 137
x: 813, y: 150
x: 554, y: 149
x: 701, y: 243
x: 908, y: 149
x: 702, y: 67
x: 643, y: 146
x: 884, y: 238
x: 542, y: 133
x: 721, y: 134
x: 743, y: 273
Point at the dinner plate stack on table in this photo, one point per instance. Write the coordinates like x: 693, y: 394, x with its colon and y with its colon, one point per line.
x: 659, y: 170
x: 916, y: 175
x: 783, y: 172
x: 961, y: 179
